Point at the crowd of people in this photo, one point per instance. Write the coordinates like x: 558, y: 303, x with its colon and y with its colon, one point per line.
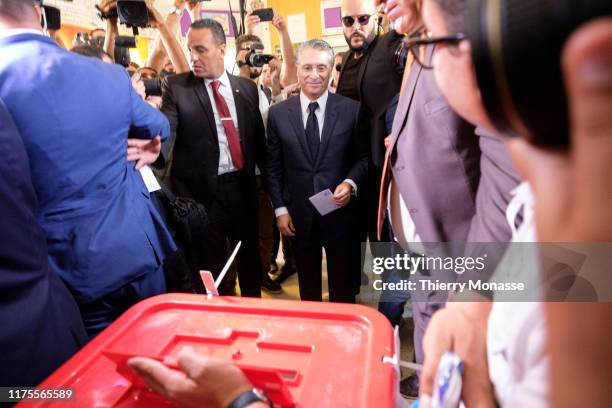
x: 392, y: 135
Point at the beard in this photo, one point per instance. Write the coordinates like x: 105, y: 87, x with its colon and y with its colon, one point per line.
x: 366, y: 41
x: 254, y: 74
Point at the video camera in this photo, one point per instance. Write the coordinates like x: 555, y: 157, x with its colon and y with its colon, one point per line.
x: 135, y: 14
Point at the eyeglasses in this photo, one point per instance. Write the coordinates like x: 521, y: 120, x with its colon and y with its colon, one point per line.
x: 349, y: 21
x: 415, y: 45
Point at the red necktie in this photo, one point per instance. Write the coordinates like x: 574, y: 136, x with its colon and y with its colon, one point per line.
x: 228, y: 124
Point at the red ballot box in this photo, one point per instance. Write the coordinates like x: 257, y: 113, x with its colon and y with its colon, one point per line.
x: 303, y: 354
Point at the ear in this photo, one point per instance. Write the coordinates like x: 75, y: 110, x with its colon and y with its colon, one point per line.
x: 39, y: 12
x: 223, y: 49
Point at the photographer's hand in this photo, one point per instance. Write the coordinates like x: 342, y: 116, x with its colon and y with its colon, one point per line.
x: 143, y: 151
x: 167, y: 42
x: 250, y: 22
x: 138, y: 85
x: 194, y: 10
x: 289, y: 68
x: 155, y: 18
x: 278, y: 21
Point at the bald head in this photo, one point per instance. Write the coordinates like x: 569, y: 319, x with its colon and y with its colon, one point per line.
x: 358, y: 23
x: 19, y: 14
x: 358, y: 7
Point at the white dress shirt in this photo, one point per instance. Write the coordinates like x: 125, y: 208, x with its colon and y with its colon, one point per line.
x: 264, y: 104
x: 225, y: 89
x: 403, y: 226
x: 320, y: 115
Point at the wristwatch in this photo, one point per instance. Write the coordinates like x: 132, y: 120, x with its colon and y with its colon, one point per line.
x: 249, y: 397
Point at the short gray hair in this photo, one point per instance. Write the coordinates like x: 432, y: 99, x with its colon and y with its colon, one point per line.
x: 319, y: 45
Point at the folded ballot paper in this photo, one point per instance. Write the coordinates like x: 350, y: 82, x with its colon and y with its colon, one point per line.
x: 324, y: 202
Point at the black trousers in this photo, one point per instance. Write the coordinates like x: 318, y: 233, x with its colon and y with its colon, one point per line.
x: 233, y: 218
x: 342, y: 265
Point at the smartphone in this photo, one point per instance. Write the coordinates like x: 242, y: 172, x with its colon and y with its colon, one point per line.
x: 265, y: 14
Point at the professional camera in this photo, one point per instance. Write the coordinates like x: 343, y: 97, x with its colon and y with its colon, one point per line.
x: 135, y: 14
x: 152, y: 87
x: 255, y: 58
x: 517, y: 46
x: 258, y: 60
x: 123, y: 44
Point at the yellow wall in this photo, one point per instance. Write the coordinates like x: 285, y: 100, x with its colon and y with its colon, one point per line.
x: 312, y: 9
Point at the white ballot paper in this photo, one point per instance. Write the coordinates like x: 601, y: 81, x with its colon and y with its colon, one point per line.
x: 324, y: 202
x: 149, y: 179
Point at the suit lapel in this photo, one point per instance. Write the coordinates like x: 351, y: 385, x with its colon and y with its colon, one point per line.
x: 295, y: 117
x: 202, y: 94
x: 331, y: 115
x: 404, y: 103
x: 241, y: 109
x: 364, y: 64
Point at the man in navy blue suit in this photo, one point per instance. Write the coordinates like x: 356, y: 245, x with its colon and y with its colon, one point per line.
x: 104, y: 236
x: 41, y: 325
x: 314, y: 145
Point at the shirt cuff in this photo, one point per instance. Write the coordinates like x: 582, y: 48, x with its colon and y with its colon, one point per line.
x: 281, y: 211
x: 352, y: 183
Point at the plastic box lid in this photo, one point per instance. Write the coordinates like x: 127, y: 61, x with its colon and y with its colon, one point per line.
x: 304, y: 354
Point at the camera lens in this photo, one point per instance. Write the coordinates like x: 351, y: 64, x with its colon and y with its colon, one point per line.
x: 153, y: 87
x: 516, y: 46
x: 259, y: 60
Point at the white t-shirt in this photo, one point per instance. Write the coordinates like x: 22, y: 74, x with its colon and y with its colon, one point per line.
x: 516, y: 332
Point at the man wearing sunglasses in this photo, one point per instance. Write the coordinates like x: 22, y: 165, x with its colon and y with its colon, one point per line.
x: 370, y: 75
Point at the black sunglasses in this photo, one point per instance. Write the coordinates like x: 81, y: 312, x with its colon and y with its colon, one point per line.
x: 349, y: 21
x: 414, y: 45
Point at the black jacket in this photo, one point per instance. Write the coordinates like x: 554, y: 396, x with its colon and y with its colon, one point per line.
x: 380, y: 79
x: 293, y: 176
x: 194, y: 134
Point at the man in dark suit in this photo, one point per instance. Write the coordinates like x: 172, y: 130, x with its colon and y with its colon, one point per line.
x: 41, y: 324
x: 219, y: 138
x: 313, y: 145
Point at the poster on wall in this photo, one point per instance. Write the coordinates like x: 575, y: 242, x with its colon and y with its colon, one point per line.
x: 223, y: 18
x: 220, y: 16
x: 296, y: 24
x: 331, y: 21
